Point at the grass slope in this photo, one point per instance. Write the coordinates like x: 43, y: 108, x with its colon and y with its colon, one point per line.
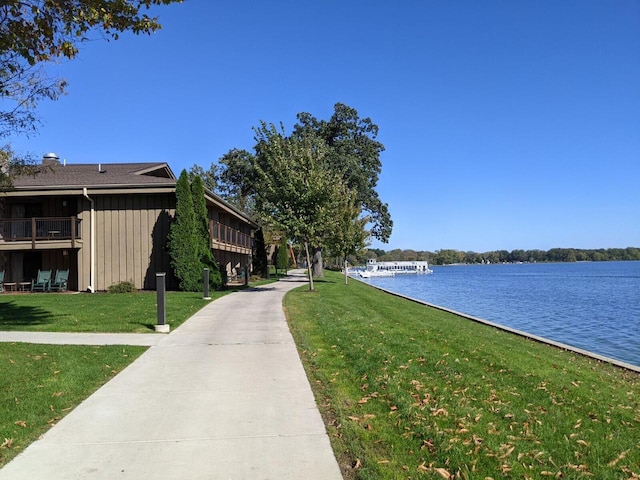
x: 39, y: 384
x: 413, y: 392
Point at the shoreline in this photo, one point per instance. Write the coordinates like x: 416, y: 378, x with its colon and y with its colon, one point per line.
x: 520, y: 333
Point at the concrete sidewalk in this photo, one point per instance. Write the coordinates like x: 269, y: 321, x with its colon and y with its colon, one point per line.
x: 224, y: 396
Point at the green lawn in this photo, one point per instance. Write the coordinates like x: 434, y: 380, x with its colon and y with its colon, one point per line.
x: 413, y: 392
x: 98, y: 312
x: 39, y: 384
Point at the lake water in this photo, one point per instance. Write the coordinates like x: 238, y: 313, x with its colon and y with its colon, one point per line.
x: 594, y: 306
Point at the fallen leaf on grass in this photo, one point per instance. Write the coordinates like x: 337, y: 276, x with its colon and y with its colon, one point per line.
x: 443, y: 472
x: 21, y: 423
x: 8, y: 442
x: 428, y: 444
x: 356, y: 464
x: 57, y: 394
x: 613, y: 462
x: 506, y: 451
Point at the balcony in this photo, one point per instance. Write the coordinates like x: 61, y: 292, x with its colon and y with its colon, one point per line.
x: 39, y: 233
x: 228, y: 239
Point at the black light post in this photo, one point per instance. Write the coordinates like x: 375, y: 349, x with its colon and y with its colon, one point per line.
x: 162, y: 326
x: 206, y: 285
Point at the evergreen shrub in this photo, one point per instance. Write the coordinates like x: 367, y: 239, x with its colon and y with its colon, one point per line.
x: 122, y: 287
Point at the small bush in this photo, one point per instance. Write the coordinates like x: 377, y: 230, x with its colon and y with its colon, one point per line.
x: 122, y: 287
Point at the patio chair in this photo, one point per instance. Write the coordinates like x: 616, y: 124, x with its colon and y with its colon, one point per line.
x: 42, y: 283
x: 2, y: 281
x: 59, y: 283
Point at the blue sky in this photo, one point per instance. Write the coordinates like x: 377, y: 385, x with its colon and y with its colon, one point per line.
x: 507, y: 124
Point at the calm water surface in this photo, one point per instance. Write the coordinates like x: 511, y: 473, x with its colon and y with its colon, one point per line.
x: 594, y: 306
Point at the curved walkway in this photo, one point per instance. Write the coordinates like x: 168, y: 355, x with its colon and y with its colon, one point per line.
x: 224, y: 396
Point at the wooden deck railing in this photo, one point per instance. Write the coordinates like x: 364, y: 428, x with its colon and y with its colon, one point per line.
x: 223, y: 234
x: 40, y: 229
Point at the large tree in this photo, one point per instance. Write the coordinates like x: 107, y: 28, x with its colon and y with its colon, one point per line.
x: 295, y: 190
x: 350, y: 152
x: 36, y: 32
x: 353, y: 152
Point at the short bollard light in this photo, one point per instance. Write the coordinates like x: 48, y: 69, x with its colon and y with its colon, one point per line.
x: 162, y: 326
x: 206, y: 295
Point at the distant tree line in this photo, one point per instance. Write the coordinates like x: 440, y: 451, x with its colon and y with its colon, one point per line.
x: 447, y: 257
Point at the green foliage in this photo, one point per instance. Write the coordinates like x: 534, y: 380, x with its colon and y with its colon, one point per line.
x: 202, y: 234
x: 12, y: 166
x: 349, y: 150
x: 354, y: 154
x: 122, y: 287
x: 209, y: 177
x: 297, y: 190
x: 448, y: 256
x: 342, y: 159
x: 35, y: 32
x: 184, y: 245
x: 236, y: 179
x: 352, y: 235
x: 282, y: 255
x: 260, y: 263
x: 416, y: 392
x: 189, y: 241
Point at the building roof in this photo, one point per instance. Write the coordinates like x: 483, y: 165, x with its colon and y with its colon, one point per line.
x: 94, y: 175
x: 54, y: 177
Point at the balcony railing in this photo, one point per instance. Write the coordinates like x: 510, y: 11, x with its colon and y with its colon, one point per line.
x: 40, y: 229
x: 229, y: 236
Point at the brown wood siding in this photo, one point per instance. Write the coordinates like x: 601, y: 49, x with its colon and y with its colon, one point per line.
x: 131, y: 234
x: 130, y: 237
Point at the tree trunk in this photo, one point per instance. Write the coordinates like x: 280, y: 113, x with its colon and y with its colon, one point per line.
x: 346, y: 272
x: 318, y: 270
x: 306, y: 247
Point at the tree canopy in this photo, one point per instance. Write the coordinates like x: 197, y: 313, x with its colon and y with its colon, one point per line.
x: 294, y: 189
x: 287, y: 179
x: 35, y: 32
x: 188, y: 241
x: 289, y: 184
x: 450, y: 256
x: 354, y: 153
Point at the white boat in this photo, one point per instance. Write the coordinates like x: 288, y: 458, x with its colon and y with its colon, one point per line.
x: 376, y: 273
x: 389, y: 269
